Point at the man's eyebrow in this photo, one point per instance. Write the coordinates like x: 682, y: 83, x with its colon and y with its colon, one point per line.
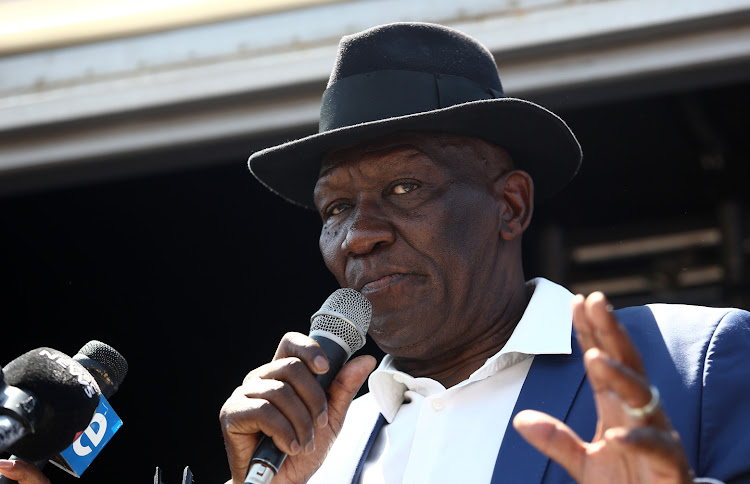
x: 405, y: 151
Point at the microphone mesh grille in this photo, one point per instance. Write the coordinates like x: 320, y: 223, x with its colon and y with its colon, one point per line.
x: 110, y: 359
x: 346, y: 314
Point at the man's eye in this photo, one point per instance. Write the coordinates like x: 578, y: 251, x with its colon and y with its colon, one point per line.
x: 404, y: 187
x: 337, y: 209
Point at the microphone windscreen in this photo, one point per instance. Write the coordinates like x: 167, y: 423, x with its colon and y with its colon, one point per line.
x: 65, y: 398
x: 106, y: 365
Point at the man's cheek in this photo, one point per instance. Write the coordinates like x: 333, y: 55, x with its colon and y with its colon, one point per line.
x: 331, y: 256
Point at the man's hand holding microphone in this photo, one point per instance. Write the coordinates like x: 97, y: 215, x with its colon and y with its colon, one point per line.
x: 300, y: 398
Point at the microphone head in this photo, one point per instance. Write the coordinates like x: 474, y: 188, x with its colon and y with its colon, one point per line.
x: 346, y: 315
x: 106, y: 365
x: 65, y: 398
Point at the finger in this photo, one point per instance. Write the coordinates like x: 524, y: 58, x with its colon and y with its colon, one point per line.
x: 610, y: 335
x: 283, y: 415
x: 661, y: 448
x: 298, y: 345
x: 300, y: 380
x: 582, y: 325
x: 609, y: 412
x: 271, y: 407
x: 265, y: 405
x: 22, y: 472
x: 242, y: 421
x: 345, y: 386
x: 553, y: 439
x: 609, y: 377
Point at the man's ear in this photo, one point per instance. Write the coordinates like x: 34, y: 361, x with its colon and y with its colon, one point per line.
x: 515, y: 192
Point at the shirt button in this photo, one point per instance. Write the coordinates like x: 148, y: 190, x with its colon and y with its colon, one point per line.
x: 438, y: 405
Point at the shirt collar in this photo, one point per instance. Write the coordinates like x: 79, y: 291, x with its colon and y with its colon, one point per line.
x: 544, y: 328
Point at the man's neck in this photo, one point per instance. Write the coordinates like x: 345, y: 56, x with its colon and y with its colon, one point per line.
x: 456, y: 365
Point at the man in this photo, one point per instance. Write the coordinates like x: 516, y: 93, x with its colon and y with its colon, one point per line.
x: 425, y: 176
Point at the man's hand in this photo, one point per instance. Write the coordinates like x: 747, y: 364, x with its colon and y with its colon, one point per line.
x: 283, y: 400
x: 625, y: 448
x: 22, y: 472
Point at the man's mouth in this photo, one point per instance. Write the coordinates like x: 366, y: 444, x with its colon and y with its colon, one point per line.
x: 382, y: 283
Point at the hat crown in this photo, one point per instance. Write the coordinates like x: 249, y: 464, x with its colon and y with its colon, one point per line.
x: 421, y: 47
x: 402, y: 69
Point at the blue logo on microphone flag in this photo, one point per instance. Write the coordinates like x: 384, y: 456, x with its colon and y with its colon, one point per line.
x: 84, y: 450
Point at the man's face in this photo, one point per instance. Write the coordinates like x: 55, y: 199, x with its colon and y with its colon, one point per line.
x: 411, y: 221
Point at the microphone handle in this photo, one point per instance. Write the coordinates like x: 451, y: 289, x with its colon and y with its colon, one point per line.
x: 267, y: 458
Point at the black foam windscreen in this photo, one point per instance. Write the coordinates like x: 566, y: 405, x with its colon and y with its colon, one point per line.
x: 65, y: 398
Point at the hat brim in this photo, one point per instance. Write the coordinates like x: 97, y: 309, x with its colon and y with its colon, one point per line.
x: 539, y: 142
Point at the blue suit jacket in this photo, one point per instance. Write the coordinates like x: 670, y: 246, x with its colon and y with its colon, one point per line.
x: 696, y: 357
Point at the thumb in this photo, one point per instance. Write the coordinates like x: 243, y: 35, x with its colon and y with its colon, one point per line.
x: 553, y: 439
x: 345, y: 387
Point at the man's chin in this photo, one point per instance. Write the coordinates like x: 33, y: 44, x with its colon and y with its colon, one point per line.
x: 400, y: 330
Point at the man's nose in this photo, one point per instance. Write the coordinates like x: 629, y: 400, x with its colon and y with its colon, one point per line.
x: 369, y: 229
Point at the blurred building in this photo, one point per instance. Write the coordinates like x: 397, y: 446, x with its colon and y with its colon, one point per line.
x: 153, y: 88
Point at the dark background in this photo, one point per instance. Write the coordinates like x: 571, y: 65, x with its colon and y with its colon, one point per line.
x: 194, y: 274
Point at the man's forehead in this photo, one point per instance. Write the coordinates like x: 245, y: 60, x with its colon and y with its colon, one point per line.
x: 434, y: 146
x: 396, y: 146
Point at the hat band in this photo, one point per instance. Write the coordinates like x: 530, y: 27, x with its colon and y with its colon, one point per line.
x: 388, y: 94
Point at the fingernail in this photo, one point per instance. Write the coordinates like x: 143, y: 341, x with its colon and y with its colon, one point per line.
x: 310, y: 447
x: 5, y: 464
x: 295, y: 447
x: 322, y: 419
x: 321, y: 364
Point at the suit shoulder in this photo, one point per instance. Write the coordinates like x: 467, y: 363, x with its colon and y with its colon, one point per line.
x: 682, y: 329
x: 683, y: 316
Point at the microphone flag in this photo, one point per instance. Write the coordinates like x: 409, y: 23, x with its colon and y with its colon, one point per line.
x: 77, y: 457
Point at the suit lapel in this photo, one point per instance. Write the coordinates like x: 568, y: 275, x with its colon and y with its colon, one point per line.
x: 550, y: 387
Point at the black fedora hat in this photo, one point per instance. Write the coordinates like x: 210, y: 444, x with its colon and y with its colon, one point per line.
x: 420, y: 77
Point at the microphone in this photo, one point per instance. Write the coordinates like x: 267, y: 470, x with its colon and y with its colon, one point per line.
x: 105, y: 364
x: 46, y: 400
x: 339, y: 327
x: 108, y: 368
